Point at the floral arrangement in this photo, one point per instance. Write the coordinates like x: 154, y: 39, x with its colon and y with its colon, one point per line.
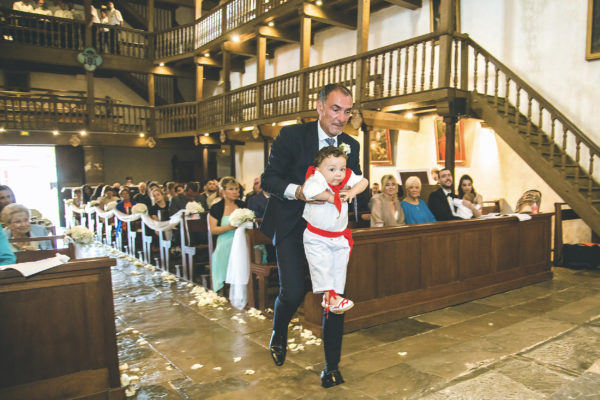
x: 110, y: 206
x: 241, y: 215
x: 139, y: 208
x: 345, y: 147
x: 80, y: 235
x: 193, y: 207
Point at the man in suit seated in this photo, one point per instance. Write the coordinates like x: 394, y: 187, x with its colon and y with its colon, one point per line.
x: 258, y: 201
x: 442, y: 201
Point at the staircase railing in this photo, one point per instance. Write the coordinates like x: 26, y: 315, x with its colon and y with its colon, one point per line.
x: 489, y: 77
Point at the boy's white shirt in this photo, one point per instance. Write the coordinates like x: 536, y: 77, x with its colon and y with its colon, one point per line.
x: 325, y: 216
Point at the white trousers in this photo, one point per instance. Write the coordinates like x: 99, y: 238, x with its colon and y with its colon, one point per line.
x: 327, y: 261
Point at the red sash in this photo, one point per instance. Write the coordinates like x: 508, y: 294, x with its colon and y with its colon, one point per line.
x: 347, y: 233
x: 336, y: 189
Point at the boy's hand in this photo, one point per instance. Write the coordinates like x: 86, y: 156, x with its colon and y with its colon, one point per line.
x: 346, y: 195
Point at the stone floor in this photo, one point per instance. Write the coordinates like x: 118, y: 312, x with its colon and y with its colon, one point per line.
x: 537, y: 342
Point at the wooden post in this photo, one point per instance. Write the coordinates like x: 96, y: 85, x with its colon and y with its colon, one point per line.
x: 305, y: 28
x: 198, y: 8
x: 204, y: 164
x: 89, y: 76
x: 150, y: 20
x: 261, y: 58
x: 199, y: 81
x: 362, y: 45
x: 87, y: 10
x: 447, y: 16
x: 226, y: 71
x: 366, y: 164
x: 450, y: 122
x: 151, y: 90
x: 232, y: 164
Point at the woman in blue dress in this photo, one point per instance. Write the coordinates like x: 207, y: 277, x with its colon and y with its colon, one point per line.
x: 415, y: 209
x: 220, y: 226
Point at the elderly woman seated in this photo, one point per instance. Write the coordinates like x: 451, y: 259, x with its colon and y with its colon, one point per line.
x: 17, y: 225
x: 415, y: 209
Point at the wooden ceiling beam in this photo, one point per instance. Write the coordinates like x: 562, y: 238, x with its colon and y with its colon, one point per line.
x: 244, y: 49
x: 277, y: 34
x: 389, y: 120
x: 410, y: 4
x: 327, y: 16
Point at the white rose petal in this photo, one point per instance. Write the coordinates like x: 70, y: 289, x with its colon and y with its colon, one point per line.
x: 237, y: 359
x: 402, y: 353
x: 197, y: 366
x: 125, y: 380
x: 249, y: 372
x: 134, y: 370
x: 135, y: 331
x: 134, y: 378
x: 217, y: 368
x: 130, y: 391
x: 169, y: 368
x: 123, y: 367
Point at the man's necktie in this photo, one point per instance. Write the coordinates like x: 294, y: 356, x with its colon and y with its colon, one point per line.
x: 330, y: 141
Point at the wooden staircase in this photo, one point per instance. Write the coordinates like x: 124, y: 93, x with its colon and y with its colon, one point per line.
x: 545, y: 153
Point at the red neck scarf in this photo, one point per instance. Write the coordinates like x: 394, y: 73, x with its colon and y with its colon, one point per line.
x: 336, y: 189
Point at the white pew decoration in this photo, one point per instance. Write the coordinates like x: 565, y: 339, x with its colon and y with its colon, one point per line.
x: 238, y: 268
x: 82, y: 237
x: 193, y: 208
x: 139, y: 208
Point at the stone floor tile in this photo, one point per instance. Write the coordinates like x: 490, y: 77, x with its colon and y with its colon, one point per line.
x: 537, y: 377
x: 587, y: 387
x: 575, y: 351
x: 456, y: 314
x: 488, y: 386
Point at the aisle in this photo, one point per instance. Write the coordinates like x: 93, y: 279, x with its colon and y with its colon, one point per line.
x: 538, y: 342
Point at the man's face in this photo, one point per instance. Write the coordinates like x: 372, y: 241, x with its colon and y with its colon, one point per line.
x: 446, y: 179
x: 142, y: 188
x: 5, y: 198
x: 256, y: 187
x: 335, y: 112
x: 111, y: 5
x: 211, y: 186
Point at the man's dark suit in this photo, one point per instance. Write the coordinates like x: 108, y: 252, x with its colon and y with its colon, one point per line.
x: 438, y: 204
x: 292, y: 152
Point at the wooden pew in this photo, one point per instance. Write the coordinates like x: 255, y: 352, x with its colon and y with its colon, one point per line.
x: 395, y: 272
x: 187, y: 226
x: 35, y: 255
x: 259, y: 272
x: 57, y: 336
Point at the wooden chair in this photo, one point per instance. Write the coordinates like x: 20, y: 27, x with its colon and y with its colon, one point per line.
x: 258, y: 271
x: 188, y: 250
x: 146, y: 243
x: 132, y: 235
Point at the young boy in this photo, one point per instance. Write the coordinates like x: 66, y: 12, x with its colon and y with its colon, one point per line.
x: 327, y: 240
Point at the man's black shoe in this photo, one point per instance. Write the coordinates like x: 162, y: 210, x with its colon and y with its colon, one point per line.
x: 278, y: 348
x: 331, y: 378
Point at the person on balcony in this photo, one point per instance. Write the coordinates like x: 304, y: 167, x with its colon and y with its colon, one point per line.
x: 292, y: 152
x: 22, y: 6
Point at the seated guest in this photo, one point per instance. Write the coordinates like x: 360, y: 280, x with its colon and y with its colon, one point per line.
x: 258, y: 201
x: 77, y: 198
x: 415, y: 209
x: 16, y: 217
x: 159, y: 211
x: 386, y: 209
x: 86, y: 193
x: 443, y: 203
x: 220, y: 226
x: 210, y: 193
x: 375, y: 189
x: 97, y: 194
x: 124, y: 205
x: 63, y: 11
x: 107, y: 197
x: 178, y: 189
x: 191, y: 192
x: 7, y: 256
x: 255, y: 189
x: 435, y: 174
x: 6, y: 196
x: 142, y: 195
x: 466, y: 191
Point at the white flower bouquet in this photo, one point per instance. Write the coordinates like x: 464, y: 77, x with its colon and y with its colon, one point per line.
x: 110, y: 206
x: 80, y: 235
x: 139, y: 208
x: 241, y: 215
x: 193, y: 207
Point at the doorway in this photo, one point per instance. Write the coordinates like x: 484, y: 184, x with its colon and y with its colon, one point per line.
x: 30, y: 171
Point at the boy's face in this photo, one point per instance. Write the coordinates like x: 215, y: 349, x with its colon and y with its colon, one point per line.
x: 333, y: 169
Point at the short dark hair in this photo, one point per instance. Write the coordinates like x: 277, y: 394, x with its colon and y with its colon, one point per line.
x: 324, y: 93
x: 193, y: 186
x: 328, y: 151
x: 444, y: 169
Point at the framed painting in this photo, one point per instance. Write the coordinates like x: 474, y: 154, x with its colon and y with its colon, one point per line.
x: 592, y: 48
x: 440, y: 142
x: 380, y: 149
x: 434, y: 15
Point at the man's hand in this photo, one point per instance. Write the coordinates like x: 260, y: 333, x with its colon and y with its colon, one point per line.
x: 300, y: 196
